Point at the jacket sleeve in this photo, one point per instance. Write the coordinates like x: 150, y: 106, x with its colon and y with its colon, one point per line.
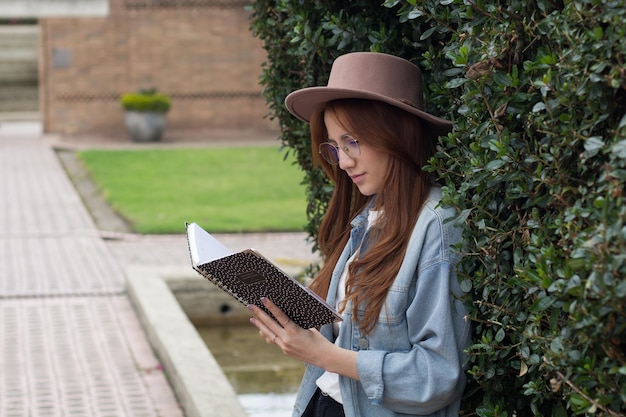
x: 427, y: 373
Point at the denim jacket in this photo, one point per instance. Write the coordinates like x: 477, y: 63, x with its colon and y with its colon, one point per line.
x: 411, y: 364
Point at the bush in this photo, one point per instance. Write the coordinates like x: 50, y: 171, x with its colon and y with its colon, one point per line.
x: 536, y: 166
x: 146, y: 101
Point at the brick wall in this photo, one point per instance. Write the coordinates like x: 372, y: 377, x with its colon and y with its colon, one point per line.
x: 200, y: 52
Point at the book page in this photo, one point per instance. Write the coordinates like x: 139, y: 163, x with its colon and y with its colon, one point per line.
x: 203, y: 247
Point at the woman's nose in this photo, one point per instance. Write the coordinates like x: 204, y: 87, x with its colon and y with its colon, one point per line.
x: 345, y: 161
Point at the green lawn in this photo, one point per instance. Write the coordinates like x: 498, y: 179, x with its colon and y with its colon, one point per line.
x: 222, y: 189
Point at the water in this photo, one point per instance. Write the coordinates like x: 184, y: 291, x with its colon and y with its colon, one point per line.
x: 268, y: 405
x: 265, y: 380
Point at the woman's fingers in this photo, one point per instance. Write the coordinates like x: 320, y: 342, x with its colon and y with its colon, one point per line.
x: 269, y: 327
x: 296, y: 342
x: 279, y: 315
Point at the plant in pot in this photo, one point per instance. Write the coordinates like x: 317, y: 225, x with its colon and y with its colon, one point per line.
x: 145, y: 114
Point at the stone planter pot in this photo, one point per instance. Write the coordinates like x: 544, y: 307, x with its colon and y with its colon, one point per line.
x: 145, y: 126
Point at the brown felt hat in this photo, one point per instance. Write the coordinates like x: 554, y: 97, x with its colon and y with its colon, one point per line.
x: 369, y: 75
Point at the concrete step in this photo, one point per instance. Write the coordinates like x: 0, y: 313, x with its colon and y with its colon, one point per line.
x: 19, y: 77
x: 18, y: 72
x: 27, y: 118
x: 19, y: 54
x: 18, y: 36
x: 19, y: 98
x: 20, y: 30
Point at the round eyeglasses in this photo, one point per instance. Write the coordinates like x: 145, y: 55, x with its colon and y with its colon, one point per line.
x: 330, y: 151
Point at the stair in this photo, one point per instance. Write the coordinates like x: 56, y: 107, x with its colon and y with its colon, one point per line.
x: 19, y: 83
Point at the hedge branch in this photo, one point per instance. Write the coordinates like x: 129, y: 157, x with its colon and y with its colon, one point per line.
x: 586, y: 397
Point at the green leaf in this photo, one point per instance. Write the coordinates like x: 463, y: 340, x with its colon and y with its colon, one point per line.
x: 415, y: 13
x: 457, y: 82
x: 541, y: 304
x: 495, y: 164
x: 500, y: 335
x: 502, y: 78
x: 619, y: 149
x: 428, y: 33
x: 539, y: 106
x: 466, y: 285
x: 593, y: 145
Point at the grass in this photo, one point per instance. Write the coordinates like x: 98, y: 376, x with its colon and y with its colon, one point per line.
x: 244, y: 189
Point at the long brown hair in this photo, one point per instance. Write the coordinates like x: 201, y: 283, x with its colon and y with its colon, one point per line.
x: 384, y: 129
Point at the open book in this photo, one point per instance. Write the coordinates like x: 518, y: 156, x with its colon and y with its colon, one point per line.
x: 248, y: 276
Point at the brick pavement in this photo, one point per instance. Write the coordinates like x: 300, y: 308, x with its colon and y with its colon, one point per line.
x: 70, y: 342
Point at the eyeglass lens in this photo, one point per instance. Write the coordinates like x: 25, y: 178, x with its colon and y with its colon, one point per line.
x: 330, y: 152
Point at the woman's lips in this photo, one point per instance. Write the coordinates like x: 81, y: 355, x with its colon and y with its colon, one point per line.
x: 357, y: 178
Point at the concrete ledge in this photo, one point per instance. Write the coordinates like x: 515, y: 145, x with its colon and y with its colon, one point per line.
x: 199, y: 383
x: 53, y: 8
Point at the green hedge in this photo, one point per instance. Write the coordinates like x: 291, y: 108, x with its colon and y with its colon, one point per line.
x: 536, y: 165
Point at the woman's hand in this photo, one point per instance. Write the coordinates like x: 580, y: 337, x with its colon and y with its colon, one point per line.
x: 308, y: 346
x: 296, y: 342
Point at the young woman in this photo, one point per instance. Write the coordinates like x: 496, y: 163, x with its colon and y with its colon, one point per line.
x: 386, y: 242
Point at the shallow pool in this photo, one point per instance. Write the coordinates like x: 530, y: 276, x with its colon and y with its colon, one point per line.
x: 265, y: 380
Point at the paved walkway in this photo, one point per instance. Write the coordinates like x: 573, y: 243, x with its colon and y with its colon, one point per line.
x: 70, y: 342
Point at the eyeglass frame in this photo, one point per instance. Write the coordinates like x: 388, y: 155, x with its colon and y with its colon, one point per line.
x: 345, y: 148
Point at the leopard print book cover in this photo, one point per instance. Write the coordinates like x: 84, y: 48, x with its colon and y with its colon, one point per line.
x: 247, y: 276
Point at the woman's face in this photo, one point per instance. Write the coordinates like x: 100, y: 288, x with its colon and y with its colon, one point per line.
x: 367, y: 170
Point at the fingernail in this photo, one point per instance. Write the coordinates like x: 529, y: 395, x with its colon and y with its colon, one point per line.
x: 253, y: 321
x: 264, y: 300
x: 250, y: 307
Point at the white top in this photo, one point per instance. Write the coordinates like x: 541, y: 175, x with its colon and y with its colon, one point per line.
x: 328, y: 383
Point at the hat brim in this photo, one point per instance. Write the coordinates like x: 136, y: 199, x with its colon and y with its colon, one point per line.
x: 302, y: 103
